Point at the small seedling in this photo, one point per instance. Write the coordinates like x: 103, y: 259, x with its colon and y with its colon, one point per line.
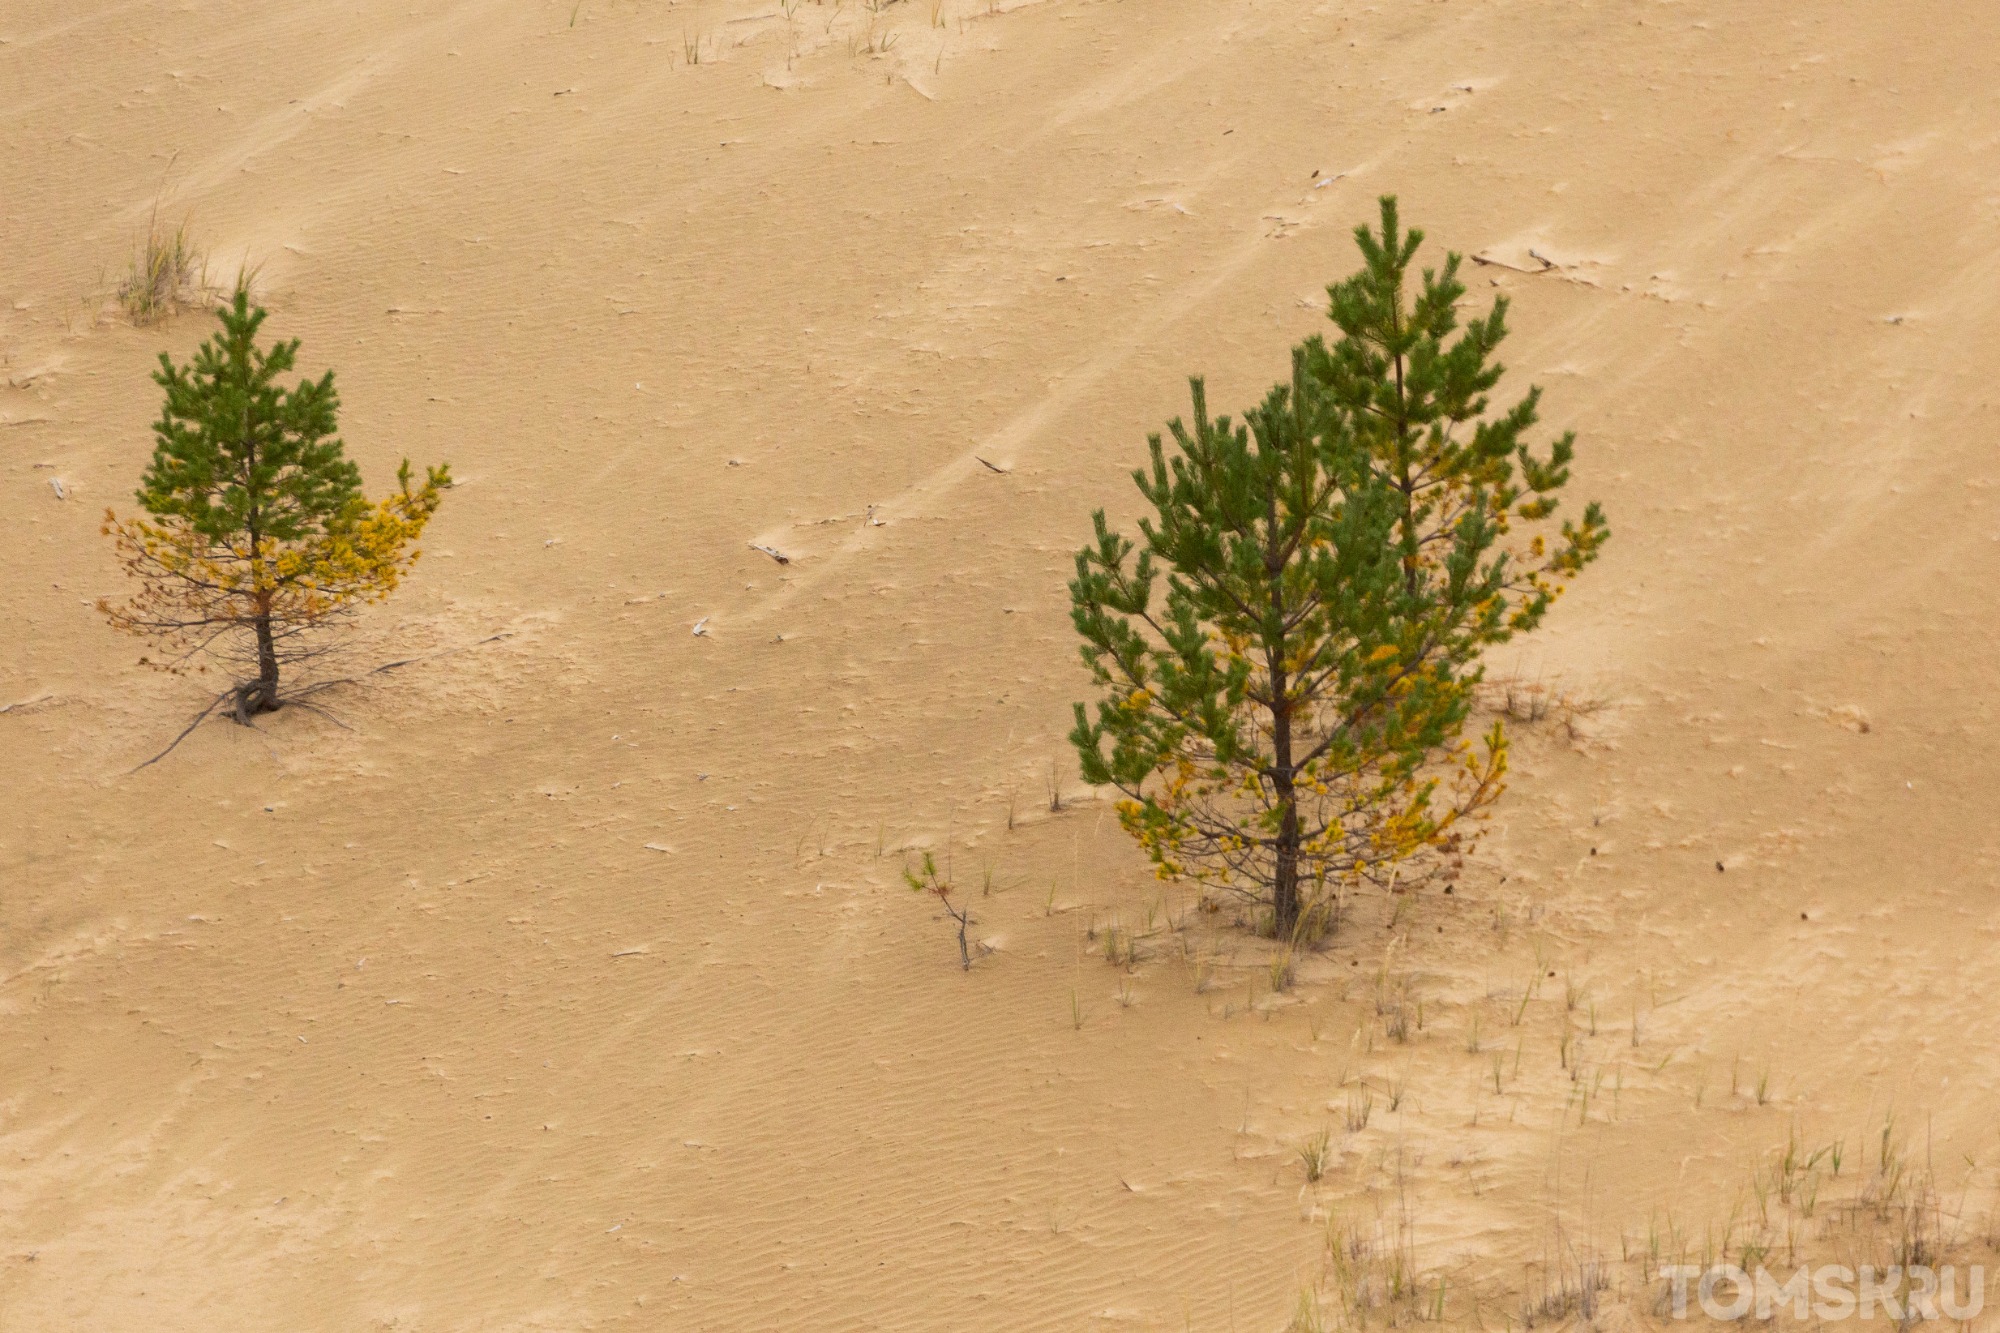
x: 930, y: 882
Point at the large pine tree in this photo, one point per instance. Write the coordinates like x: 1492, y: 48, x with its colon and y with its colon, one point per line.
x: 1287, y: 667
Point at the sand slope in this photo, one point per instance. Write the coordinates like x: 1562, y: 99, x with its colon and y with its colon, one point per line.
x: 571, y: 983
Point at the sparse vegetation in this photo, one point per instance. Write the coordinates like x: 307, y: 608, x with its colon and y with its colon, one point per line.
x: 538, y: 904
x: 1568, y: 1290
x: 1370, y: 1271
x: 1803, y: 1211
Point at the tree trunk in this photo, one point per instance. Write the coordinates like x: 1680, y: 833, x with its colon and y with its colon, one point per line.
x: 1285, y: 884
x: 1285, y: 892
x: 1277, y: 652
x: 263, y: 697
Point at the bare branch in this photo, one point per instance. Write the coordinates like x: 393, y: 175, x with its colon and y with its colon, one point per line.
x: 199, y: 718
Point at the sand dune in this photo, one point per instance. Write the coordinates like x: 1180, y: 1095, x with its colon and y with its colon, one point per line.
x: 571, y: 982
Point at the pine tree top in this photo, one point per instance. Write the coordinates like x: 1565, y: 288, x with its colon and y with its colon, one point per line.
x: 239, y: 455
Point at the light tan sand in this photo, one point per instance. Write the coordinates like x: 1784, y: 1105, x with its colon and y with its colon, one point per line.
x: 573, y: 985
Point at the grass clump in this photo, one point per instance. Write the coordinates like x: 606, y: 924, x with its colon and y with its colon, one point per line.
x: 1315, y: 1153
x: 168, y: 272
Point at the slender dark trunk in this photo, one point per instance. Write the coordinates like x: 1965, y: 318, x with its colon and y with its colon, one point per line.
x: 266, y: 690
x: 1405, y: 482
x: 1285, y: 886
x: 1285, y: 883
x: 261, y: 697
x: 1285, y: 894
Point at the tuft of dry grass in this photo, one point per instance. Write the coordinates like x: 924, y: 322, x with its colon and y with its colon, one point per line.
x: 1315, y: 1153
x: 168, y: 273
x: 1574, y: 1293
x: 1283, y: 969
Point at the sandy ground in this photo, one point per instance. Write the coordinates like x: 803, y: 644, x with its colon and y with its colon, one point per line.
x: 569, y: 983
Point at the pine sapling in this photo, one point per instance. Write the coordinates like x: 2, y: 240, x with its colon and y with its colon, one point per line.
x: 929, y: 881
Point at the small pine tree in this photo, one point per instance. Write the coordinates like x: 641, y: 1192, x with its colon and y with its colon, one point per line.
x: 257, y: 534
x: 1334, y: 566
x: 939, y: 887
